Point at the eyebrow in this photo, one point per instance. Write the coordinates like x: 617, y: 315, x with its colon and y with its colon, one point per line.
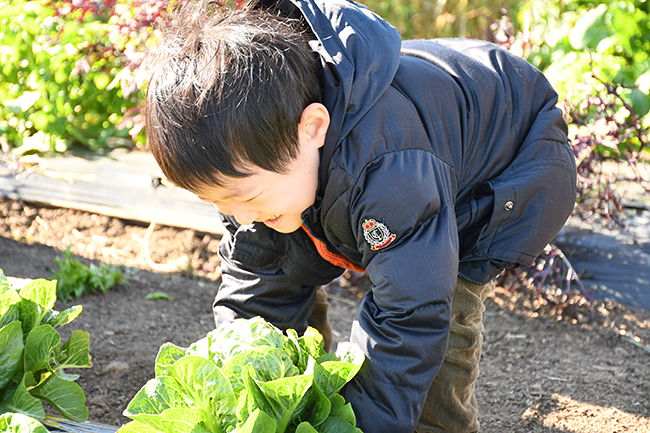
x: 235, y: 193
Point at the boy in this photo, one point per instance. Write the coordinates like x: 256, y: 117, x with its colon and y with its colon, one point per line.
x: 327, y: 143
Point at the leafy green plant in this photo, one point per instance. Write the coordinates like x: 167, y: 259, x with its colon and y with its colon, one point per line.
x: 32, y: 358
x: 76, y: 279
x: 248, y: 377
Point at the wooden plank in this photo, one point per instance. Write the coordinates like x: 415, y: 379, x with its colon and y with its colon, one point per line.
x: 121, y: 184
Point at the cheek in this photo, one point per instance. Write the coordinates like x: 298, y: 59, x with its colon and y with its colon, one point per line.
x: 223, y: 209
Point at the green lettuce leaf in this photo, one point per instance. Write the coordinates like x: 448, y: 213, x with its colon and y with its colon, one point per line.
x: 292, y: 347
x: 314, y: 407
x: 168, y: 354
x: 38, y: 297
x: 137, y: 427
x: 11, y: 351
x: 31, y: 356
x: 19, y: 423
x: 258, y: 422
x: 56, y: 319
x: 4, y: 283
x: 207, y: 388
x: 305, y: 427
x: 174, y: 420
x: 268, y: 364
x: 156, y: 396
x: 12, y: 314
x: 30, y: 314
x: 278, y: 398
x: 20, y: 400
x: 75, y: 351
x: 9, y: 307
x: 42, y: 342
x: 66, y: 396
x: 243, y: 335
x: 331, y: 376
x: 334, y: 424
x: 42, y: 292
x: 342, y: 410
x: 312, y: 343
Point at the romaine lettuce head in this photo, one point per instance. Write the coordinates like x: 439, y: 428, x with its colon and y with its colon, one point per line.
x: 247, y: 376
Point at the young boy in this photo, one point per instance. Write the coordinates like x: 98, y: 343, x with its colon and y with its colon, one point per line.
x: 327, y: 143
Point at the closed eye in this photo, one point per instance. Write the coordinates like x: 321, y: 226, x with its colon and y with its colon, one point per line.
x: 251, y: 199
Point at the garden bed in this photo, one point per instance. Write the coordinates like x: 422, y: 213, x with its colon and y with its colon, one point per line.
x: 540, y: 371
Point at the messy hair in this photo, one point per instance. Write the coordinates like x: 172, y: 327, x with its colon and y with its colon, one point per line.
x: 227, y: 89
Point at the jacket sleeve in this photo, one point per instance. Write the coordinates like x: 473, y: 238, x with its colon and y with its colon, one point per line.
x: 403, y: 323
x: 261, y: 278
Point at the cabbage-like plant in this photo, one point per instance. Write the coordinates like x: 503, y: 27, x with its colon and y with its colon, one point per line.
x: 248, y: 376
x: 33, y: 359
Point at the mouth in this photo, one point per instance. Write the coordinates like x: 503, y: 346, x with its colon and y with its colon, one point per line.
x: 273, y: 220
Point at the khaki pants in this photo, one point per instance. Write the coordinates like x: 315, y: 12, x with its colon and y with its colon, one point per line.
x: 451, y: 405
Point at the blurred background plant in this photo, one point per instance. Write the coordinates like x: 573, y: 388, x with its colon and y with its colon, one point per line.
x: 597, y: 56
x: 425, y: 19
x: 70, y: 73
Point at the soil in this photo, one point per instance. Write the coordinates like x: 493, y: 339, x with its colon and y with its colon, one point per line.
x: 573, y: 369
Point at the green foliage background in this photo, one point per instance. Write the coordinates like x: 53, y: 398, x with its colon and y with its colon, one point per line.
x: 70, y: 71
x: 66, y: 75
x: 425, y: 19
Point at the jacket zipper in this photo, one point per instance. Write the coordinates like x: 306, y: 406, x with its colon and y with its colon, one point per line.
x: 471, y: 280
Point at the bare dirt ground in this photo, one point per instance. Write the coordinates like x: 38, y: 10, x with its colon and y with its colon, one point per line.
x: 542, y: 370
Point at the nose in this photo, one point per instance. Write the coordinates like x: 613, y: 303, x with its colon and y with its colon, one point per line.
x: 243, y: 213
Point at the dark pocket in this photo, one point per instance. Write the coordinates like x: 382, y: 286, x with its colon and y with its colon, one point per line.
x: 481, y: 203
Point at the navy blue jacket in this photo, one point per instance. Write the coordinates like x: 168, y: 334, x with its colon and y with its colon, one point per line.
x: 443, y: 158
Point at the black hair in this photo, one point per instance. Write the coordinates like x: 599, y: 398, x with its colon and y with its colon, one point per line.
x: 227, y: 90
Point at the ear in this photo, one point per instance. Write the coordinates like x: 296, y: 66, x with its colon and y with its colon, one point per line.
x: 314, y: 121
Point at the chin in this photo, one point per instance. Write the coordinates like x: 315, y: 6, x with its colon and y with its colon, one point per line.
x: 289, y: 224
x: 286, y: 229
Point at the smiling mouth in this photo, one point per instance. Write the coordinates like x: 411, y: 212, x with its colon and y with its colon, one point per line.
x: 272, y: 219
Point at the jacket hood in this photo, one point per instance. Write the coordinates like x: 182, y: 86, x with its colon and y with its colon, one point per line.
x: 360, y: 53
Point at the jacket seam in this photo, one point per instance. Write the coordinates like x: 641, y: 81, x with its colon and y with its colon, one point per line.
x: 381, y: 156
x: 545, y: 162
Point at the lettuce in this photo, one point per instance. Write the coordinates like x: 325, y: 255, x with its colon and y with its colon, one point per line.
x: 33, y: 359
x: 19, y: 423
x: 248, y: 377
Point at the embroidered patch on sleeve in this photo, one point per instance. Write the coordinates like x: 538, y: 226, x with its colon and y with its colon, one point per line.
x: 377, y: 234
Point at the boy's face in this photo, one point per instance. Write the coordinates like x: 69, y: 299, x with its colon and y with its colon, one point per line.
x: 276, y: 199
